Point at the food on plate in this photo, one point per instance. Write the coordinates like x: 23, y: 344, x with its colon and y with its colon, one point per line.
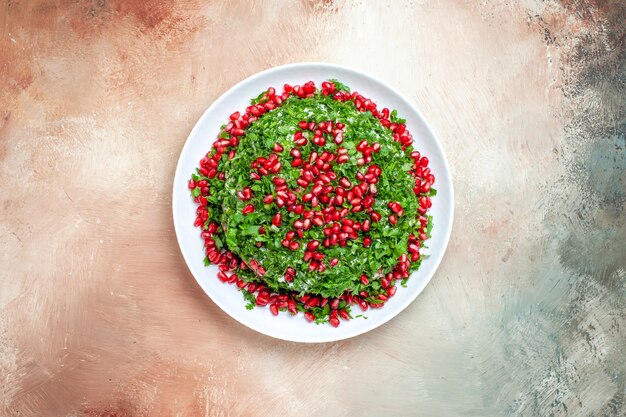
x: 313, y: 201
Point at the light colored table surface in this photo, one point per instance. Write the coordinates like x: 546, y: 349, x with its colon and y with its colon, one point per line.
x: 99, y: 315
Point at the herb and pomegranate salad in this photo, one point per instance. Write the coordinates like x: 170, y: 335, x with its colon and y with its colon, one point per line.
x: 314, y: 201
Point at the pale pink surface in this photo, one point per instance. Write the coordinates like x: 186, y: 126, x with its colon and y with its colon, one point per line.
x: 99, y: 315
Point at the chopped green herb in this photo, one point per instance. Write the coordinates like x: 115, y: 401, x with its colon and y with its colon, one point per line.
x: 319, y: 183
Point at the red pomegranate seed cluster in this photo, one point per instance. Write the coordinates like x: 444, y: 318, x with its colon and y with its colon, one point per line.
x: 332, y: 200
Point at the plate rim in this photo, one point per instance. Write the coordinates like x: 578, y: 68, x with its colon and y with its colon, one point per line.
x: 436, y: 258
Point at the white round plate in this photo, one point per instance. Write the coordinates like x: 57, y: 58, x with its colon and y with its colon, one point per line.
x: 227, y: 296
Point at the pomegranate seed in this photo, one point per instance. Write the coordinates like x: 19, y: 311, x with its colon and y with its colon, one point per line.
x: 312, y: 302
x: 391, y: 291
x: 294, y: 245
x: 345, y: 182
x: 367, y: 242
x: 334, y: 304
x: 309, y: 316
x: 274, y: 309
x: 334, y: 321
x: 308, y: 87
x: 263, y: 298
x: 276, y: 167
x: 393, y: 219
x: 344, y: 315
x: 312, y: 245
x: 364, y: 279
x: 363, y: 305
x: 245, y: 194
x: 276, y: 220
x: 384, y: 282
x: 248, y: 209
x: 334, y: 262
x: 396, y: 208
